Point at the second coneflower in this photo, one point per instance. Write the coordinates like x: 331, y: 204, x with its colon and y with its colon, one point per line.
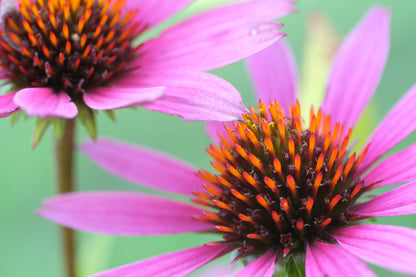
x: 287, y: 195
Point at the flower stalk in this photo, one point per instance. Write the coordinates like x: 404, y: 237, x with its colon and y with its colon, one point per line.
x: 65, y: 182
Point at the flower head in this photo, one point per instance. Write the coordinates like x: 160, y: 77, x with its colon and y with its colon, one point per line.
x: 284, y: 187
x: 281, y: 184
x: 65, y: 57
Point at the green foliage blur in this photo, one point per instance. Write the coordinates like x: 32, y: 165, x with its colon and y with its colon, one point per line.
x: 29, y: 245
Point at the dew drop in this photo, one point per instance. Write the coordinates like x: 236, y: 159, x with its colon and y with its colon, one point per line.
x: 254, y: 32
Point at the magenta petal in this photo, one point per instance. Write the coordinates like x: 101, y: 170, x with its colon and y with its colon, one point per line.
x: 323, y: 259
x: 358, y: 67
x: 273, y: 72
x: 396, y: 125
x: 106, y: 98
x: 122, y: 213
x: 218, y: 43
x: 175, y: 264
x: 7, y: 106
x: 44, y: 102
x: 398, y: 168
x: 152, y: 12
x: 399, y: 201
x: 143, y: 166
x: 225, y: 35
x: 391, y: 247
x: 261, y: 267
x: 214, y: 129
x: 191, y: 95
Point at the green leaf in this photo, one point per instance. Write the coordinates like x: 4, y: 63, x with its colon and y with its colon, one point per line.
x: 110, y: 114
x: 87, y: 118
x: 40, y: 128
x: 292, y: 268
x: 14, y: 117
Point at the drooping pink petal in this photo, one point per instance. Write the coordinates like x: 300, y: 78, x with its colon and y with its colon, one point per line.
x: 152, y: 12
x: 358, y: 67
x: 44, y: 102
x: 175, y: 264
x: 219, y: 41
x: 392, y: 247
x: 122, y: 213
x: 273, y: 73
x: 189, y: 94
x: 399, y: 201
x: 323, y: 259
x: 143, y: 166
x: 7, y: 106
x: 398, y: 168
x: 214, y: 129
x: 261, y: 267
x: 396, y: 126
x: 108, y: 98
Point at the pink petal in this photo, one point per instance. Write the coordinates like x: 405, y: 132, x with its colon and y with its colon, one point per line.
x: 398, y: 168
x: 214, y: 129
x: 219, y: 41
x: 44, y: 102
x: 391, y: 247
x: 7, y: 106
x: 273, y: 72
x: 358, y: 67
x: 143, y: 166
x: 106, y: 98
x: 323, y: 259
x: 152, y: 12
x: 396, y: 125
x: 261, y: 267
x: 399, y: 201
x: 122, y: 213
x: 225, y: 35
x: 176, y: 264
x: 191, y: 95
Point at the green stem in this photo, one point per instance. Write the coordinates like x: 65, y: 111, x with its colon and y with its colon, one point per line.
x: 65, y: 173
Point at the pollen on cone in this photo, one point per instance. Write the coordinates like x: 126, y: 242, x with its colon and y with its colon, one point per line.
x: 279, y: 183
x: 56, y: 28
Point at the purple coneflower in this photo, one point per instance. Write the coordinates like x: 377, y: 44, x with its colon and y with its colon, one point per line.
x: 283, y: 188
x: 64, y: 56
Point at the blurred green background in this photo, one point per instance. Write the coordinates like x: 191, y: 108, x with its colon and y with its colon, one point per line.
x: 29, y: 245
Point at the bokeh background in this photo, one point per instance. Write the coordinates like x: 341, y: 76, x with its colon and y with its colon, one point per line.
x: 29, y: 245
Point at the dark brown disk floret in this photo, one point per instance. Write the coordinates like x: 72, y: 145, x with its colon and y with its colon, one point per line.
x: 280, y: 184
x: 66, y: 45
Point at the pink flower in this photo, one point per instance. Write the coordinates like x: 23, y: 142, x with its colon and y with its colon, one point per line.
x: 283, y: 186
x: 60, y: 56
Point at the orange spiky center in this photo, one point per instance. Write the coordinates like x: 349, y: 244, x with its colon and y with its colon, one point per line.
x: 67, y: 45
x: 280, y: 183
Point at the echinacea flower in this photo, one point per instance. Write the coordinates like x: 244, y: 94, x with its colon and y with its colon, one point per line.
x: 64, y: 57
x: 284, y: 189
